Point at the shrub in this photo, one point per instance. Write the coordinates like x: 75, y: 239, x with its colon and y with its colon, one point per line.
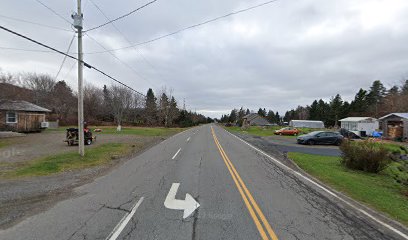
x: 364, y: 155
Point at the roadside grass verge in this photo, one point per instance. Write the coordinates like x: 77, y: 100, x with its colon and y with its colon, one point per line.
x: 70, y: 161
x: 379, y: 191
x: 141, y: 131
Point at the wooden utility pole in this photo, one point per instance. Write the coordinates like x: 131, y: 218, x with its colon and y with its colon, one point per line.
x: 78, y: 25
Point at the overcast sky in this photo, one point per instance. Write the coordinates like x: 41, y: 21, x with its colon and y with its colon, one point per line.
x: 278, y: 56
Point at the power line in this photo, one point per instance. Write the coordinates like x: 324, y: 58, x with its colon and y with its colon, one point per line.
x: 189, y: 27
x: 117, y: 58
x: 25, y: 50
x: 53, y: 11
x: 124, y: 36
x: 69, y: 56
x: 123, y: 16
x: 35, y: 23
x: 65, y: 56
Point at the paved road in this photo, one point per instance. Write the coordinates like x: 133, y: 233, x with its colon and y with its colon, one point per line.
x: 242, y: 195
x: 284, y: 144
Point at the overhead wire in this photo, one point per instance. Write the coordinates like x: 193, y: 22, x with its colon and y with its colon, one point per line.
x: 69, y: 56
x: 34, y: 23
x: 123, y: 16
x: 26, y: 50
x: 55, y: 13
x: 65, y: 56
x: 124, y: 37
x: 117, y: 58
x: 187, y: 28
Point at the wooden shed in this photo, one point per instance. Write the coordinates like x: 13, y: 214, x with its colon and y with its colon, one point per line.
x: 22, y: 116
x: 395, y: 126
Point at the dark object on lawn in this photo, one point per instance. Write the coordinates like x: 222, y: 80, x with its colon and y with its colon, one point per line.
x: 97, y: 130
x: 349, y: 134
x: 320, y: 137
x: 72, y: 136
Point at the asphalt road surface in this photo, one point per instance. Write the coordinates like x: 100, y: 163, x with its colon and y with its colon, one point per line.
x: 240, y: 194
x: 283, y: 144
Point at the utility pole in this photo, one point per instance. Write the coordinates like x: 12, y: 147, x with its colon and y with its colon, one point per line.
x: 78, y: 25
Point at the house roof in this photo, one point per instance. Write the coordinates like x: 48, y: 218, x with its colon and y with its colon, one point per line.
x: 251, y: 116
x: 307, y: 121
x: 256, y: 119
x: 356, y: 119
x: 21, y: 106
x: 401, y: 115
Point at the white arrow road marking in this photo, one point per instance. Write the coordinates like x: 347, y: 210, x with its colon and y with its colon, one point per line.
x: 175, y: 155
x: 123, y: 222
x: 189, y: 205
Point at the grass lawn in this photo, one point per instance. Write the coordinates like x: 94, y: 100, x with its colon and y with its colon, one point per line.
x: 266, y: 131
x: 5, y: 142
x: 380, y: 191
x: 141, y: 131
x: 69, y: 161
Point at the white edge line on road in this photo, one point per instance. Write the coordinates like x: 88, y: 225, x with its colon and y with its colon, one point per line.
x: 175, y: 155
x: 323, y: 188
x: 188, y: 139
x: 123, y: 222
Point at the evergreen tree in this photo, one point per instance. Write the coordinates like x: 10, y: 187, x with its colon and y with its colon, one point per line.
x: 336, y: 109
x: 375, y: 96
x: 150, y: 108
x: 359, y: 105
x: 277, y: 117
x: 271, y: 116
x: 262, y: 112
x: 247, y: 112
x: 314, y: 111
x: 233, y: 116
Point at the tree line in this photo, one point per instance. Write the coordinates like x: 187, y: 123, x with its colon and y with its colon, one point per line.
x: 376, y: 101
x: 113, y: 104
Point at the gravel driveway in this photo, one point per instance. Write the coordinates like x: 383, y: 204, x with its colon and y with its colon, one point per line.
x: 20, y: 198
x: 36, y: 145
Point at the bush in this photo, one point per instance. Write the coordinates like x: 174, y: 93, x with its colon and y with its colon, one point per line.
x: 364, y: 155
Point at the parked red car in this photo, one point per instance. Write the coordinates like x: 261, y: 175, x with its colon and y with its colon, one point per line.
x: 287, y: 131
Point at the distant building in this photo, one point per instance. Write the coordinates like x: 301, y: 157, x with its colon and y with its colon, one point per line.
x: 395, y: 125
x: 22, y: 116
x: 254, y: 119
x: 306, y: 124
x: 365, y: 125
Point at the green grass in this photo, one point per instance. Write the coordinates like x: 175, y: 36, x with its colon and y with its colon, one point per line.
x: 395, y: 148
x: 266, y: 131
x: 70, y: 161
x: 5, y: 142
x: 379, y: 191
x: 141, y: 131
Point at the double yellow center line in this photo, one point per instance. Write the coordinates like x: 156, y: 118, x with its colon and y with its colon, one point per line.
x: 250, y: 203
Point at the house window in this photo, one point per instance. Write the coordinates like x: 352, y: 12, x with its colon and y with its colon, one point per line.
x: 11, y: 117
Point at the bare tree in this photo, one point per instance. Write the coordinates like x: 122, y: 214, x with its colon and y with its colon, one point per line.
x: 93, y: 102
x: 41, y: 85
x: 122, y: 100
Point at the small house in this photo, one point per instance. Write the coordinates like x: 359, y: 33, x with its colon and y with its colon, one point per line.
x: 365, y: 125
x: 395, y: 126
x: 306, y: 124
x: 22, y: 116
x: 254, y: 119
